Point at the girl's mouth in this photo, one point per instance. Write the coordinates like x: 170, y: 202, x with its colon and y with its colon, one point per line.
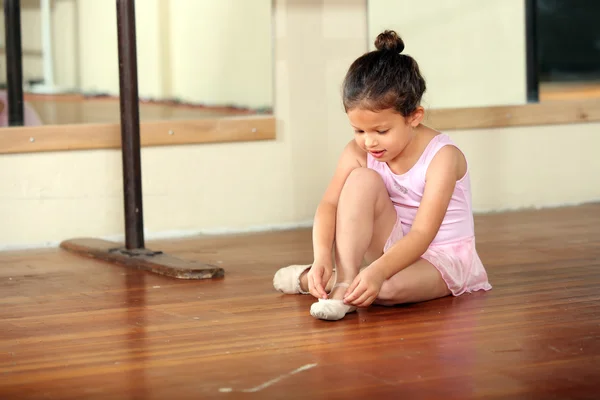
x: 377, y: 154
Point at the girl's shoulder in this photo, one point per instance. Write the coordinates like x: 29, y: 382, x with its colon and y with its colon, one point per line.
x: 429, y: 135
x: 353, y: 150
x: 443, y: 155
x: 433, y: 141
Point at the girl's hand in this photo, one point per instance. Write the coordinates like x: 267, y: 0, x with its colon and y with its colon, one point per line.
x: 318, y: 276
x: 366, y: 286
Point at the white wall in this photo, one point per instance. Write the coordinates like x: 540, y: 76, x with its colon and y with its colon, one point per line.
x: 240, y: 186
x: 532, y: 167
x: 471, y: 52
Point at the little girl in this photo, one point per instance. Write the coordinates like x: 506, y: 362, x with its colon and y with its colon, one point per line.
x: 400, y: 199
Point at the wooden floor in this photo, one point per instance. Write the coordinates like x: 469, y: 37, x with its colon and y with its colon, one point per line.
x: 72, y: 328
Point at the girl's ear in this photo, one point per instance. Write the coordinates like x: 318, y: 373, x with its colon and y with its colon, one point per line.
x: 416, y: 117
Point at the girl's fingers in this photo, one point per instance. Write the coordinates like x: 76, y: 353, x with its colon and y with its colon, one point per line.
x: 352, y: 287
x: 354, y: 291
x: 319, y: 286
x: 362, y: 298
x: 315, y: 285
x: 326, y: 277
x: 311, y: 286
x: 367, y: 302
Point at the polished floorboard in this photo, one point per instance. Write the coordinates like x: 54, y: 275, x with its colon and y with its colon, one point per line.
x: 73, y: 328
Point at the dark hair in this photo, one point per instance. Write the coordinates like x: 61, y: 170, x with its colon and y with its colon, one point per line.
x: 384, y: 78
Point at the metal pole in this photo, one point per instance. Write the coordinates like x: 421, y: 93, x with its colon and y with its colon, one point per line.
x: 533, y: 92
x: 130, y: 125
x: 14, y: 62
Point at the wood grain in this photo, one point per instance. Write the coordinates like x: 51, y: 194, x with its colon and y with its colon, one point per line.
x: 157, y: 133
x: 145, y: 259
x: 537, y: 114
x: 74, y: 328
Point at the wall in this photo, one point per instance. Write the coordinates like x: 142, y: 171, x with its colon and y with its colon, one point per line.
x: 45, y: 198
x: 532, y: 167
x: 471, y: 52
x: 201, y: 51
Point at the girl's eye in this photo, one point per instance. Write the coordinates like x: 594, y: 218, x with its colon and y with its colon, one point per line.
x: 359, y: 131
x: 382, y: 132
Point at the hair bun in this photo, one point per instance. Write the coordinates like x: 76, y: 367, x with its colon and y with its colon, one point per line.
x: 389, y: 40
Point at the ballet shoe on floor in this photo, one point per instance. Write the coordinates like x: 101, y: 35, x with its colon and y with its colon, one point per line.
x: 287, y: 279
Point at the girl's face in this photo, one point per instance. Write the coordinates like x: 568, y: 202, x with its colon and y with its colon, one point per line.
x: 384, y: 134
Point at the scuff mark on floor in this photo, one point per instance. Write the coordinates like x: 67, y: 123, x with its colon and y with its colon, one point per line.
x: 272, y: 381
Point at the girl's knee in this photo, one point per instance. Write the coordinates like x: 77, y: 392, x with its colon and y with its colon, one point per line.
x: 363, y: 178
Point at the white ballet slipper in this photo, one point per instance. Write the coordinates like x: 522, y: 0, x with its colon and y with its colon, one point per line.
x: 331, y: 309
x: 287, y: 279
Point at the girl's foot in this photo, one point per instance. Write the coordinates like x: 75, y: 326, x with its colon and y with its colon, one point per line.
x: 294, y: 280
x: 287, y: 279
x: 332, y: 309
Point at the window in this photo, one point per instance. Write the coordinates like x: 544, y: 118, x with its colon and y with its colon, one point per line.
x: 563, y: 49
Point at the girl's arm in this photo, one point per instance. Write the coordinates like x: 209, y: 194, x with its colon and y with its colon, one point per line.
x: 445, y: 169
x: 325, y: 219
x: 324, y: 231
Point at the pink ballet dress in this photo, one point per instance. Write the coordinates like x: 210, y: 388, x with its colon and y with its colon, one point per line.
x: 453, y: 250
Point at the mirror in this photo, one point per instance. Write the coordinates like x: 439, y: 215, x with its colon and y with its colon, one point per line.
x: 196, y: 59
x: 476, y: 53
x: 567, y: 49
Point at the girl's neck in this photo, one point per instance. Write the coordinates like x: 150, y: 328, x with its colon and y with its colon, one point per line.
x: 407, y: 159
x: 412, y: 149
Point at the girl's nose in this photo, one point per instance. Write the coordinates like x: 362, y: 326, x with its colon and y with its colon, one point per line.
x: 370, y: 141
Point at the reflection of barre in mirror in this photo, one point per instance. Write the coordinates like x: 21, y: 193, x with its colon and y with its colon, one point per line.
x: 133, y: 254
x: 221, y: 68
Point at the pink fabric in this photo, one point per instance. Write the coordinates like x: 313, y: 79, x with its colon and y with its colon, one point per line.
x: 453, y: 250
x: 29, y: 115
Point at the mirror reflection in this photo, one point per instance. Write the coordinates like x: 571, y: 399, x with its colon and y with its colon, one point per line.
x: 196, y: 59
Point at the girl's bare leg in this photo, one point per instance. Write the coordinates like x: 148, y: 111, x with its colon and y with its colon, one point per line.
x: 418, y: 282
x: 365, y: 219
